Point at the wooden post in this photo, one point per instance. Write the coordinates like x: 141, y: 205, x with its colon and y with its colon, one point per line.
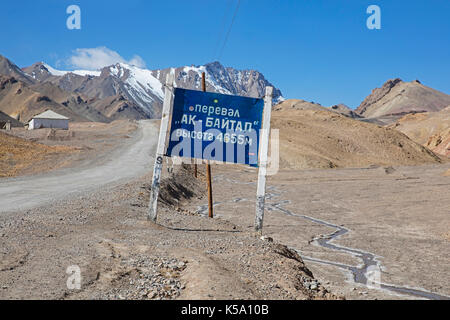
x: 208, y: 167
x: 167, y: 110
x: 261, y: 192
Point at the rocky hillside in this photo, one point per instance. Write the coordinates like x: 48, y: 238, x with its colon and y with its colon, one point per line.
x: 314, y: 137
x: 397, y: 98
x: 7, y: 68
x: 431, y: 129
x: 22, y: 101
x: 226, y: 80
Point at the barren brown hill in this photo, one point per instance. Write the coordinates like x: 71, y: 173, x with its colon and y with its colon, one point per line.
x: 298, y: 104
x: 33, y: 78
x: 18, y: 156
x: 19, y: 100
x: 316, y: 138
x: 7, y: 68
x: 431, y: 129
x: 77, y: 103
x: 397, y: 98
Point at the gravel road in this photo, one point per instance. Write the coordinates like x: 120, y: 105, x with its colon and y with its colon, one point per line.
x: 129, y: 161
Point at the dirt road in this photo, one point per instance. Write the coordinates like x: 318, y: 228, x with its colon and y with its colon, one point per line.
x: 124, y: 163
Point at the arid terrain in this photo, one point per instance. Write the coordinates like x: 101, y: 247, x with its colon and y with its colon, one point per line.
x: 431, y: 129
x: 324, y: 228
x: 394, y: 218
x: 98, y: 222
x: 313, y: 137
x: 26, y: 152
x: 359, y: 208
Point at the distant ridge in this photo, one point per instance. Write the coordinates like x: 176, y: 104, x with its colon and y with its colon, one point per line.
x: 397, y: 98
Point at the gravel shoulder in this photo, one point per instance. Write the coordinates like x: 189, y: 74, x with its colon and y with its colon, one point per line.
x: 123, y: 256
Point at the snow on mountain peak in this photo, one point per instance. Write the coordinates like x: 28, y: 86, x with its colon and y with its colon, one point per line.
x: 60, y: 73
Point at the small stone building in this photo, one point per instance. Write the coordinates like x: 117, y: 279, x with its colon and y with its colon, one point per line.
x: 49, y: 119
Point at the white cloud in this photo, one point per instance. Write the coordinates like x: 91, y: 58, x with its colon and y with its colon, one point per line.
x: 97, y: 58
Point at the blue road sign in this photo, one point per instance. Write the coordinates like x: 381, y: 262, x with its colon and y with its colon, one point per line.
x: 215, y: 126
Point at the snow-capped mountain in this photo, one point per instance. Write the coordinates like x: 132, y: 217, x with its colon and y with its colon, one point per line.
x: 126, y: 91
x: 220, y: 79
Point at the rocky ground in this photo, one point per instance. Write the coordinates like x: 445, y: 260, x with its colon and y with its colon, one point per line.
x: 123, y: 256
x: 27, y: 152
x: 393, y: 218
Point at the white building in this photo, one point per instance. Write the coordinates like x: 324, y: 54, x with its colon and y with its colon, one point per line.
x: 49, y: 119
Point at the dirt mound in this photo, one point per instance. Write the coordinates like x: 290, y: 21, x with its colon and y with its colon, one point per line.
x: 19, y: 155
x: 396, y: 97
x: 323, y: 139
x: 431, y: 129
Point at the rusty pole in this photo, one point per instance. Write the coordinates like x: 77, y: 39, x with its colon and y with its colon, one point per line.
x: 208, y: 166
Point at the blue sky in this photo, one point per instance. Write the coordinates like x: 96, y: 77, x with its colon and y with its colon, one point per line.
x: 315, y: 50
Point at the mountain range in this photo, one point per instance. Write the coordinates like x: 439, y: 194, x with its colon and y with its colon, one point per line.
x: 122, y: 91
x: 119, y: 91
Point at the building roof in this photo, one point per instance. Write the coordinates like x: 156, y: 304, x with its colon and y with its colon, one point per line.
x: 49, y: 114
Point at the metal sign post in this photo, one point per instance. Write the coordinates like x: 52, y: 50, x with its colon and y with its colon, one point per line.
x: 261, y: 191
x: 166, y: 112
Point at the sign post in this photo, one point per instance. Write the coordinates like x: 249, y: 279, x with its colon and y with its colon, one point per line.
x: 214, y: 127
x: 208, y: 167
x: 261, y: 191
x: 166, y: 112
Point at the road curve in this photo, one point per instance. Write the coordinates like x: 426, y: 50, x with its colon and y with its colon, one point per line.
x: 135, y: 159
